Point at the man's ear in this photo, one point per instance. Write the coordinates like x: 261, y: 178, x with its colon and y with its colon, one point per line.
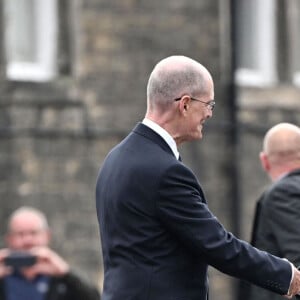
x: 184, y: 104
x: 264, y: 161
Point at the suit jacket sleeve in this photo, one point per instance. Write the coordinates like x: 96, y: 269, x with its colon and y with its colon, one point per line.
x: 182, y: 208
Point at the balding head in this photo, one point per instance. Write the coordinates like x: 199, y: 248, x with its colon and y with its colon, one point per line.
x: 283, y: 140
x: 281, y: 149
x: 27, y: 228
x: 28, y: 212
x: 180, y: 97
x: 173, y: 77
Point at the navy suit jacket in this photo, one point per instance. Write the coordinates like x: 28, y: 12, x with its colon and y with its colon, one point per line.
x: 158, y: 235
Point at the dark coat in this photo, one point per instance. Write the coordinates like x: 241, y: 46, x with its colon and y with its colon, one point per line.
x: 158, y: 235
x: 276, y: 227
x: 68, y: 287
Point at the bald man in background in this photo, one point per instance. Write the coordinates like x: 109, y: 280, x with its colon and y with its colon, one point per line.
x: 276, y: 227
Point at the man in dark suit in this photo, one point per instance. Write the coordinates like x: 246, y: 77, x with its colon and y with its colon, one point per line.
x: 276, y: 227
x: 158, y: 234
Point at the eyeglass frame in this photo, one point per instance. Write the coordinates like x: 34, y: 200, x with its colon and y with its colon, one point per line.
x: 210, y: 104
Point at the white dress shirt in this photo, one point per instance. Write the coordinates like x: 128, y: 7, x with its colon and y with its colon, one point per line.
x: 164, y: 134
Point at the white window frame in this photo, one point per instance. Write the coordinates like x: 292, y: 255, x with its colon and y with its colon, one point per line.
x: 44, y: 41
x: 296, y: 78
x: 293, y: 22
x: 264, y: 37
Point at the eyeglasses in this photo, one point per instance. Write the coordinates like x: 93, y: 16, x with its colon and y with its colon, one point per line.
x: 210, y: 104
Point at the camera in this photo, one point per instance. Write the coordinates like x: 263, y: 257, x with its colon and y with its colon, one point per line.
x: 19, y: 259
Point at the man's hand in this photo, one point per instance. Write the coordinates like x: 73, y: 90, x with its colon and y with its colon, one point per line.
x: 4, y: 270
x: 48, y: 263
x: 295, y: 285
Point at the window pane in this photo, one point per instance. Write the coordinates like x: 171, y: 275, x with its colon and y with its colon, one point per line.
x: 246, y: 33
x: 21, y: 22
x: 30, y: 39
x: 294, y: 32
x: 255, y: 42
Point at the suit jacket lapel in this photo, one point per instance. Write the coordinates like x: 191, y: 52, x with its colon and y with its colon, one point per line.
x: 152, y: 135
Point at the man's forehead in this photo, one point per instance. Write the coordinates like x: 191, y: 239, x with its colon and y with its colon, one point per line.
x: 26, y: 220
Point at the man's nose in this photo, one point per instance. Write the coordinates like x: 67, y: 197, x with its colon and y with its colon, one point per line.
x: 27, y: 240
x: 209, y: 114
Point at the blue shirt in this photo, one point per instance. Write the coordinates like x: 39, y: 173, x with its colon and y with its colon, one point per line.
x: 18, y: 287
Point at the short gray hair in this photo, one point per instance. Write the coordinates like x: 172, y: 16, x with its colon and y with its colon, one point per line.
x: 172, y: 78
x: 29, y: 209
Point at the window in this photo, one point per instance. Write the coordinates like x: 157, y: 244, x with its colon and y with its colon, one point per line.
x: 30, y: 39
x: 294, y: 27
x: 255, y: 38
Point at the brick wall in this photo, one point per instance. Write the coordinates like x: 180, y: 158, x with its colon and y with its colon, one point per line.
x: 54, y: 136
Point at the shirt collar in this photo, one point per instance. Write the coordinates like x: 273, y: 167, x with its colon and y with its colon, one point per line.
x: 164, y: 134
